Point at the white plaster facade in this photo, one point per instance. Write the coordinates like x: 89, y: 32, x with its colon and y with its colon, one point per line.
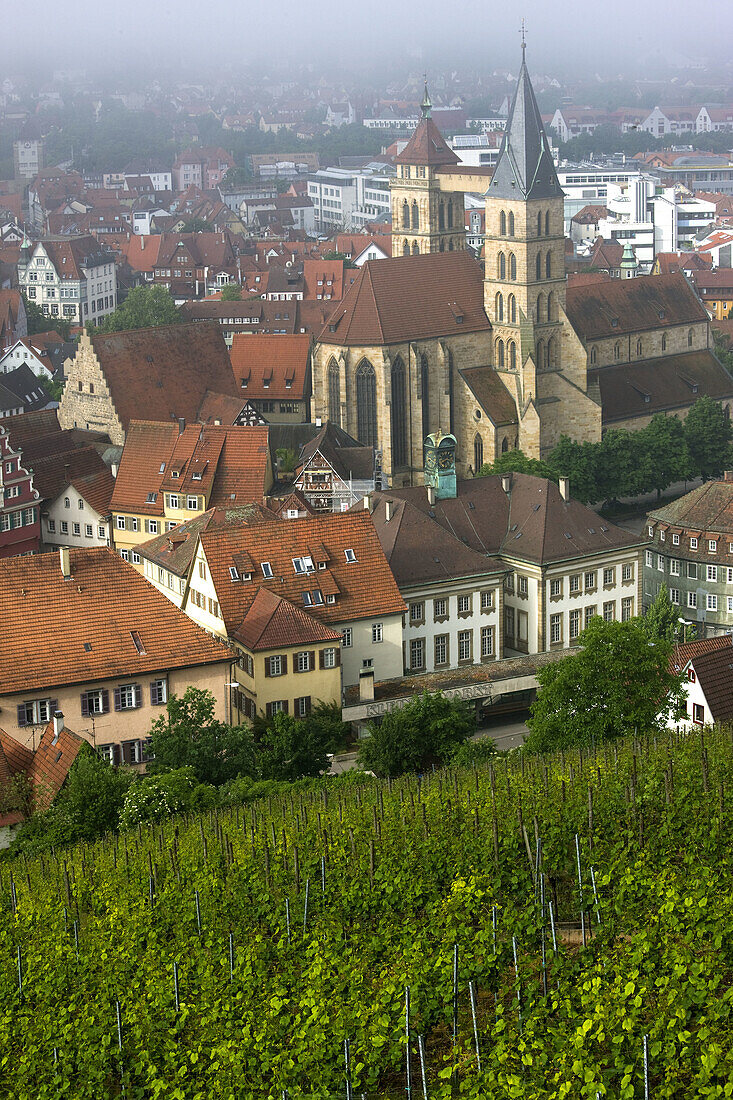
x: 69, y: 520
x: 452, y: 624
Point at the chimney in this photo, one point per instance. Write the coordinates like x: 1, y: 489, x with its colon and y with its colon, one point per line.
x: 367, y: 503
x: 431, y: 495
x: 728, y: 475
x: 65, y: 562
x: 366, y: 685
x: 113, y: 469
x: 58, y: 725
x: 387, y: 511
x: 181, y: 424
x: 506, y: 483
x: 564, y: 487
x: 142, y: 243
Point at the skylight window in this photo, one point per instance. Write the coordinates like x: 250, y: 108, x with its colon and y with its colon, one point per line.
x: 303, y: 565
x: 266, y: 570
x: 233, y: 574
x: 138, y: 642
x: 350, y: 555
x: 162, y: 468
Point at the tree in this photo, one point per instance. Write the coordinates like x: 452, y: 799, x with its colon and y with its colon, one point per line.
x: 517, y: 462
x: 578, y: 462
x: 37, y: 320
x: 662, y: 620
x: 232, y: 292
x: 196, y: 225
x: 708, y: 433
x: 291, y: 749
x: 618, y: 683
x: 663, y: 453
x: 144, y: 307
x: 427, y: 731
x: 188, y: 735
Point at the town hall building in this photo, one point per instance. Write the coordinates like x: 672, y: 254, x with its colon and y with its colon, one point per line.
x: 502, y: 354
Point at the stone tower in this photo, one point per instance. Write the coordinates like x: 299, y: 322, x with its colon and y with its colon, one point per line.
x: 425, y: 218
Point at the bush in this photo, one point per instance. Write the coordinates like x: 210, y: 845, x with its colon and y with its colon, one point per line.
x: 425, y: 733
x: 157, y: 797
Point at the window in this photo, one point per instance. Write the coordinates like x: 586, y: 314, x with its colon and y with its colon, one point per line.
x: 590, y: 580
x: 465, y: 645
x: 152, y: 526
x: 555, y: 629
x: 487, y: 599
x: 675, y: 540
x: 417, y: 654
x: 730, y: 604
x: 441, y: 649
x: 674, y: 595
x: 303, y: 661
x: 350, y: 555
x: 67, y: 502
x: 277, y: 706
x: 674, y: 567
x: 662, y: 536
x: 94, y: 702
x: 124, y: 554
x: 302, y: 706
x: 128, y: 697
x: 712, y: 572
x: 590, y: 611
x: 487, y: 641
x: 609, y: 576
x: 52, y: 525
x: 417, y: 612
x: 158, y: 693
x: 464, y: 605
x: 173, y: 499
x: 76, y: 528
x: 712, y: 602
x: 574, y: 630
x: 192, y: 503
x: 275, y: 666
x: 346, y: 637
x: 120, y: 521
x: 36, y: 712
x: 609, y: 611
x: 88, y: 530
x: 660, y: 563
x: 574, y: 583
x: 213, y: 606
x: 329, y: 657
x: 729, y: 575
x: 376, y: 632
x: 627, y: 572
x: 627, y: 608
x: 266, y: 570
x: 692, y: 599
x: 81, y: 505
x: 692, y: 570
x: 556, y: 587
x: 712, y: 546
x: 693, y: 543
x: 522, y: 586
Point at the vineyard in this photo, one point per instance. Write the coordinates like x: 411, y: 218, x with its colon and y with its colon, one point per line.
x: 542, y: 927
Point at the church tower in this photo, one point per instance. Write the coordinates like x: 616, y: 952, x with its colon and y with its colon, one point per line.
x: 524, y: 280
x: 424, y: 217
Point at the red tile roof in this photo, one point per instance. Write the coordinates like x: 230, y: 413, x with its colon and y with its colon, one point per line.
x: 273, y: 621
x: 605, y: 309
x: 648, y: 386
x: 410, y: 298
x: 75, y: 630
x: 323, y: 279
x: 51, y: 762
x: 427, y: 146
x: 689, y: 651
x: 272, y: 366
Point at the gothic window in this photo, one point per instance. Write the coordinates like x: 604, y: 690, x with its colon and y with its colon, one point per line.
x: 664, y: 341
x: 617, y: 350
x: 512, y: 310
x: 548, y: 265
x: 511, y: 223
x: 450, y: 214
x: 593, y: 355
x: 500, y: 354
x: 478, y: 453
x: 639, y: 347
x: 441, y: 216
x: 499, y: 309
x: 504, y: 445
x: 540, y: 352
x: 547, y: 223
x: 442, y: 246
x: 366, y: 404
x: 405, y: 215
x: 538, y: 267
x: 502, y: 224
x: 334, y: 393
x: 415, y: 216
x: 425, y: 390
x: 406, y: 248
x: 690, y: 337
x: 539, y: 223
x: 415, y: 248
x: 501, y: 266
x: 450, y: 246
x: 512, y: 266
x: 512, y: 355
x: 551, y: 312
x: 540, y: 308
x: 552, y: 352
x: 399, y: 419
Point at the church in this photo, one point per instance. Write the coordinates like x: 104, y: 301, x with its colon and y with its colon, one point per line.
x: 501, y: 354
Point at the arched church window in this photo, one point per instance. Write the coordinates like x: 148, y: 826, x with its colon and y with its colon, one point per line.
x: 405, y: 215
x: 690, y: 337
x: 501, y: 266
x: 552, y: 352
x: 500, y: 354
x: 425, y: 391
x: 504, y: 445
x: 512, y: 355
x: 639, y: 347
x: 551, y: 311
x: 511, y: 223
x: 499, y: 307
x: 593, y: 355
x: 398, y: 410
x: 540, y: 353
x: 512, y: 310
x: 442, y: 246
x: 617, y: 350
x: 548, y: 265
x: 334, y: 393
x: 415, y: 248
x: 450, y: 246
x: 478, y: 453
x: 502, y: 224
x: 512, y: 266
x: 366, y: 404
x: 538, y: 267
x: 664, y: 341
x: 415, y: 216
x: 540, y: 308
x: 547, y: 223
x: 539, y: 223
x: 406, y: 248
x: 450, y: 213
x: 441, y: 216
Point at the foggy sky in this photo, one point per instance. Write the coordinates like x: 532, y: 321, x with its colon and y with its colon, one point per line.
x: 562, y: 35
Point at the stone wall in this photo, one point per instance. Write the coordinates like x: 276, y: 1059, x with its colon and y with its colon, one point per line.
x: 86, y: 401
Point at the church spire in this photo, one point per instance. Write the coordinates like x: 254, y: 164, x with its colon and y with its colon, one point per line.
x: 525, y: 169
x: 427, y: 106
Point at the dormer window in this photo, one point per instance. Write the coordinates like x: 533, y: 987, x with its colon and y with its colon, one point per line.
x: 151, y: 498
x: 175, y: 473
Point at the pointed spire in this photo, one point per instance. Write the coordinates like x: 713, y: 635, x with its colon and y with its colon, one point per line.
x: 426, y: 104
x: 525, y: 169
